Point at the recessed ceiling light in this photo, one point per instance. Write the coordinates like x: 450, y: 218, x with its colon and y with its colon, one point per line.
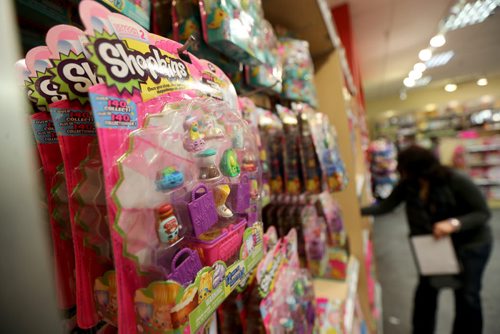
x: 438, y: 41
x: 440, y: 59
x: 450, y: 88
x: 415, y: 75
x: 409, y: 82
x: 425, y: 54
x: 419, y: 67
x: 482, y: 82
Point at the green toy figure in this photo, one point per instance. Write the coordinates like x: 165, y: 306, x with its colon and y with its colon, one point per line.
x: 229, y: 163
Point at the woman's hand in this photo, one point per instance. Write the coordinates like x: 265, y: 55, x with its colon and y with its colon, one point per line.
x: 444, y: 228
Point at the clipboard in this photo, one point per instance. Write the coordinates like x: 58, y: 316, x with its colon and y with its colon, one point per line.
x: 434, y: 257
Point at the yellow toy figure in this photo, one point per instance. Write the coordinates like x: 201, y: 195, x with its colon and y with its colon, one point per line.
x: 221, y: 193
x: 205, y: 286
x: 218, y: 17
x: 193, y: 140
x: 189, y: 29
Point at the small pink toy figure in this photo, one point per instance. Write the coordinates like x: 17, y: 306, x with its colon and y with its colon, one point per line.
x: 193, y: 139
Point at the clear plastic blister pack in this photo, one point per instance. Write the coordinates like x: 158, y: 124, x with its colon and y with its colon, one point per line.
x: 181, y: 183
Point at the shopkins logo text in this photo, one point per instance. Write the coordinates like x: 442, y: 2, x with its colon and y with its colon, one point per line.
x: 266, y: 283
x: 45, y: 91
x: 233, y: 277
x: 126, y: 68
x: 78, y: 74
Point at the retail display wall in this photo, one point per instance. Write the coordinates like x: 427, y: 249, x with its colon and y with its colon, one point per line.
x: 219, y: 174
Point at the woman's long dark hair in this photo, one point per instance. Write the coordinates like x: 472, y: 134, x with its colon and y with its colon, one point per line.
x: 415, y: 163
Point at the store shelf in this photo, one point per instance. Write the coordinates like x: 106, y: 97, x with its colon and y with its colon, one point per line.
x: 309, y: 20
x: 483, y: 148
x: 486, y: 182
x: 484, y: 164
x: 345, y: 291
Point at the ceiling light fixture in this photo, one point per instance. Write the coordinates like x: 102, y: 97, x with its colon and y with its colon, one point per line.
x: 409, y: 82
x: 450, y: 88
x: 423, y: 81
x: 419, y: 67
x: 414, y: 75
x: 439, y: 59
x: 425, y: 54
x: 468, y: 13
x: 438, y: 41
x: 482, y: 82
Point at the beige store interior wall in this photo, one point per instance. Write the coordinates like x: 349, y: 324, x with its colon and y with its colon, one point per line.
x: 421, y: 99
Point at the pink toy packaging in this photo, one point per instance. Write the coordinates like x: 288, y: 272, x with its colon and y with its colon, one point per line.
x: 64, y: 86
x: 288, y: 296
x: 173, y: 148
x: 57, y: 199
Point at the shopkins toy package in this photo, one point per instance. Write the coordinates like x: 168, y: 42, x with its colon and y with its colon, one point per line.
x: 187, y: 24
x: 288, y: 297
x: 315, y: 239
x: 325, y: 141
x: 272, y: 135
x: 267, y: 76
x: 330, y: 313
x: 57, y: 201
x: 291, y: 154
x: 64, y: 84
x: 298, y: 71
x: 137, y: 10
x: 311, y: 169
x: 231, y: 28
x: 177, y: 195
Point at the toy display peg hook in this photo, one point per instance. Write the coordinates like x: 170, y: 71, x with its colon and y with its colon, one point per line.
x: 189, y: 43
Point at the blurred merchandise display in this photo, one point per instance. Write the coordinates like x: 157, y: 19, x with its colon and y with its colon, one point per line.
x: 382, y: 155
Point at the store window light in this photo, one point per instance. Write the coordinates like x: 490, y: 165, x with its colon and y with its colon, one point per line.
x: 468, y: 13
x: 439, y: 59
x: 450, y: 87
x: 482, y: 82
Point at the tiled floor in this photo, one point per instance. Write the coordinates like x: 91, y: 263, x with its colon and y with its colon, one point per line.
x: 397, y: 275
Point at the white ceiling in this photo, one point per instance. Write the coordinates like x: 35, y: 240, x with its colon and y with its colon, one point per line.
x: 389, y: 34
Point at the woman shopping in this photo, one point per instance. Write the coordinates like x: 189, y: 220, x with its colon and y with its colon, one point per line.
x: 442, y: 202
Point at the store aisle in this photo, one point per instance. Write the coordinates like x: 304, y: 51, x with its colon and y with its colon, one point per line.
x: 397, y: 275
